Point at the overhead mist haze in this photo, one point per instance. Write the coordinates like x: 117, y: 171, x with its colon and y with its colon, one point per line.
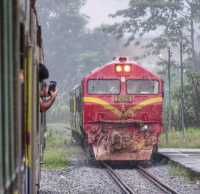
x: 99, y: 10
x: 75, y: 43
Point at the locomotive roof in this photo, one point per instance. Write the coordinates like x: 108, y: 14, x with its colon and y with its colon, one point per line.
x: 128, y: 62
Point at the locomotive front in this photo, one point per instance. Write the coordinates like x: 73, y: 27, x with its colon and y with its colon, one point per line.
x: 122, y: 111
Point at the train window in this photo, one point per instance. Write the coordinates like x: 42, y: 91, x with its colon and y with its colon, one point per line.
x: 103, y: 86
x: 142, y: 87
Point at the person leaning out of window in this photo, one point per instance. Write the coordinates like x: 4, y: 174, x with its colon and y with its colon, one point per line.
x: 47, y: 94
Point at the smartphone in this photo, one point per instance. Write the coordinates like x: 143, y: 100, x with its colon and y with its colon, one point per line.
x: 52, y: 86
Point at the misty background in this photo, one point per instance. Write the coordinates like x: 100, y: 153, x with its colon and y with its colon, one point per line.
x: 79, y: 36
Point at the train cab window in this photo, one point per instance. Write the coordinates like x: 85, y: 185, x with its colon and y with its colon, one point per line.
x: 104, y: 86
x: 142, y: 87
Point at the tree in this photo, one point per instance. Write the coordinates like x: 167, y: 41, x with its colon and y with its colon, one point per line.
x: 168, y: 20
x: 63, y: 28
x: 71, y: 50
x: 169, y: 23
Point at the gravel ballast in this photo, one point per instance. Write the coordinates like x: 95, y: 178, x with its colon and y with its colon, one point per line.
x: 81, y: 177
x: 181, y: 184
x: 86, y: 177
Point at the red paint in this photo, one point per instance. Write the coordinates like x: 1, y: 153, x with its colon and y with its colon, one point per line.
x: 108, y: 132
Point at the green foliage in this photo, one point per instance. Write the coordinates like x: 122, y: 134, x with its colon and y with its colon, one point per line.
x: 168, y: 21
x: 176, y: 139
x: 58, y: 150
x: 55, y: 158
x: 177, y: 170
x: 63, y: 29
x: 59, y: 112
x: 191, y: 100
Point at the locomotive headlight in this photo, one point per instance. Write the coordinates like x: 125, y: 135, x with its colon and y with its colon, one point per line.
x: 144, y: 128
x: 127, y: 68
x: 118, y: 68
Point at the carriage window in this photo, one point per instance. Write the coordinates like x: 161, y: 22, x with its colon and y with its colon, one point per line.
x: 142, y: 87
x: 103, y: 86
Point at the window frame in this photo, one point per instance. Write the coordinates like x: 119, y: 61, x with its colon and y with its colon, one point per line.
x: 144, y: 93
x: 104, y: 93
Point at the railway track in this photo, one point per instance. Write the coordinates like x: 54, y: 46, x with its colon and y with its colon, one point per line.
x: 128, y: 190
x: 165, y: 188
x: 123, y: 186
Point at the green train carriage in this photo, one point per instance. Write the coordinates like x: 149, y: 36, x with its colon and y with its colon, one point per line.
x: 21, y: 124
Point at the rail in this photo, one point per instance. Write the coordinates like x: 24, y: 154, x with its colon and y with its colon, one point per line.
x: 123, y: 186
x: 165, y: 188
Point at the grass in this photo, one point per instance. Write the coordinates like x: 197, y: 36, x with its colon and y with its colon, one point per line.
x: 58, y: 149
x: 54, y: 159
x: 176, y: 139
x: 177, y: 170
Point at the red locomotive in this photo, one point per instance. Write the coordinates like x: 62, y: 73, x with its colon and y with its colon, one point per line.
x: 118, y: 109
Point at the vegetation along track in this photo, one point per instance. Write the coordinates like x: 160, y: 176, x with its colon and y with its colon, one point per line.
x: 127, y: 190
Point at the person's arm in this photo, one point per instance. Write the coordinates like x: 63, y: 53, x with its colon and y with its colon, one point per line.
x: 46, y: 104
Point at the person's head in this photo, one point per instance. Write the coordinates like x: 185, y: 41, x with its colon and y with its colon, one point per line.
x: 44, y: 90
x: 43, y: 72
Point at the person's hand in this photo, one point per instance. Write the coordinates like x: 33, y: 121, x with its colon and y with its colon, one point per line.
x: 54, y: 93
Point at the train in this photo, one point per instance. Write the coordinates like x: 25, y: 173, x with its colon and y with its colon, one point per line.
x: 22, y: 126
x: 117, y: 110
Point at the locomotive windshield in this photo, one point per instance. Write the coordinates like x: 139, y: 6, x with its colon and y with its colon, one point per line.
x: 142, y: 87
x: 103, y: 86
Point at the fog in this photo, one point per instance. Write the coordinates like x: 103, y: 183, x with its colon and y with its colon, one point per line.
x: 158, y: 34
x: 98, y: 11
